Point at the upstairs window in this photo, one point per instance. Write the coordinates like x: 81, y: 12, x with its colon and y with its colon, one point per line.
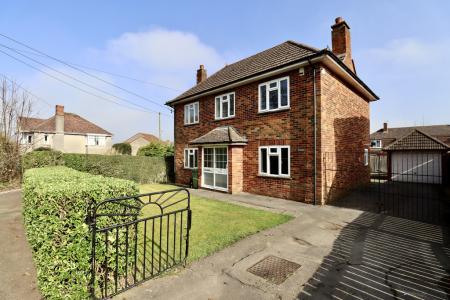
x: 274, y: 161
x: 190, y: 158
x: 375, y: 144
x: 191, y: 113
x: 225, y: 106
x: 96, y: 140
x: 274, y: 95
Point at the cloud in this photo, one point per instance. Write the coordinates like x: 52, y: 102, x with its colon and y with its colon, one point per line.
x: 164, y: 52
x: 411, y: 52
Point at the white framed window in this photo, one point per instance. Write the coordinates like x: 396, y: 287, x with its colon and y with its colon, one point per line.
x: 96, y: 140
x: 376, y: 144
x: 45, y: 138
x: 27, y: 138
x: 275, y: 161
x: 190, y: 158
x: 274, y: 95
x: 191, y: 113
x: 225, y: 106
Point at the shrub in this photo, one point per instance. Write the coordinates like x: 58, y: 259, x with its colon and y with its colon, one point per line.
x: 38, y: 159
x: 155, y: 149
x: 42, y: 149
x: 56, y: 204
x: 141, y: 169
x: 122, y: 148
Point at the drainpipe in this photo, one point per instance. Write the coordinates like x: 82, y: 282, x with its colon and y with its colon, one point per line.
x: 315, y: 135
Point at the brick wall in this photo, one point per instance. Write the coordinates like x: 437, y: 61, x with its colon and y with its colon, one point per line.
x: 345, y: 127
x: 292, y: 127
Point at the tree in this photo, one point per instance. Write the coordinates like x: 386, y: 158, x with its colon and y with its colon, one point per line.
x: 13, y: 106
x: 122, y: 148
x: 155, y: 149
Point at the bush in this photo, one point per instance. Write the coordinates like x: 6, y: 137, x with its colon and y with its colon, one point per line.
x: 43, y: 149
x: 155, y: 149
x: 122, y: 148
x: 39, y: 159
x: 56, y: 204
x: 140, y: 169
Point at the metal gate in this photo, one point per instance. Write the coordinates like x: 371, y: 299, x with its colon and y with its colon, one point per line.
x: 414, y: 187
x: 136, y: 238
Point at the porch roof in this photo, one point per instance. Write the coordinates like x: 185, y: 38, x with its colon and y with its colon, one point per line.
x: 220, y: 135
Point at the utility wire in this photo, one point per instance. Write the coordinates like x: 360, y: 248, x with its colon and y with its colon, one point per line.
x: 80, y: 70
x: 105, y: 72
x: 73, y: 78
x: 27, y: 91
x: 143, y: 109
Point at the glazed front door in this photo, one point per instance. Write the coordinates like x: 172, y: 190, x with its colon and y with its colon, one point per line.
x: 215, y: 168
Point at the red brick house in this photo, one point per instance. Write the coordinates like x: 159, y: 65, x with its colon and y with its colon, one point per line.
x: 264, y: 124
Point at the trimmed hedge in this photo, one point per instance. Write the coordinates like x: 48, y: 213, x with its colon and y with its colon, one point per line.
x: 56, y: 204
x: 122, y: 148
x: 140, y: 169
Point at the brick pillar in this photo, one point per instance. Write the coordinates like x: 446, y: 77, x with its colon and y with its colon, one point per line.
x: 236, y: 169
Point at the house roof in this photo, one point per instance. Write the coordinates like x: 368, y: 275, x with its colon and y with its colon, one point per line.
x: 146, y: 136
x: 220, y: 135
x: 417, y: 140
x: 440, y: 132
x: 73, y: 123
x: 276, y: 57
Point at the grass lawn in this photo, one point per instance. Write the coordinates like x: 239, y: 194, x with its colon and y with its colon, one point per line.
x: 217, y: 224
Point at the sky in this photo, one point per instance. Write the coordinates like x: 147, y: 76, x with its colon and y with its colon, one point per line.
x: 400, y: 49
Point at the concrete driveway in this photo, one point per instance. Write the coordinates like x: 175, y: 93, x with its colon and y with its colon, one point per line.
x: 17, y: 272
x: 342, y: 253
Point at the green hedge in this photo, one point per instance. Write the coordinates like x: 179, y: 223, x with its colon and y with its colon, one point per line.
x: 140, y: 169
x: 122, y: 148
x: 56, y: 203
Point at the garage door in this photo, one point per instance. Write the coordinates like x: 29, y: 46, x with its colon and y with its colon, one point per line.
x: 425, y: 167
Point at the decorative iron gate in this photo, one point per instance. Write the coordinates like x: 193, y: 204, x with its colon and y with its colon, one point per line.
x: 136, y: 238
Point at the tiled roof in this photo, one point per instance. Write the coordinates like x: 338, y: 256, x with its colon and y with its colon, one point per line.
x: 274, y: 57
x: 72, y: 124
x: 440, y: 132
x: 146, y: 136
x: 417, y: 140
x: 220, y: 135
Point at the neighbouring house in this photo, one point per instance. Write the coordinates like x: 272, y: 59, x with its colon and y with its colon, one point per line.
x: 141, y: 139
x: 66, y: 132
x: 412, y: 154
x: 264, y: 124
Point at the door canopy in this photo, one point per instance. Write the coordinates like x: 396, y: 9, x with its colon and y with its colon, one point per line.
x: 224, y: 135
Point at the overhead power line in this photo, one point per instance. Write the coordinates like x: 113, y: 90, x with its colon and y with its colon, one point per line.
x: 82, y: 71
x: 74, y: 78
x: 25, y: 90
x: 142, y: 108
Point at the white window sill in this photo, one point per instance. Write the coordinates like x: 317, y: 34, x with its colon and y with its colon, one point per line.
x: 186, y: 168
x: 191, y: 124
x: 227, y: 118
x: 275, y: 176
x: 274, y: 110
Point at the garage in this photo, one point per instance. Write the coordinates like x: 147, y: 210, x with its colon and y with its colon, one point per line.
x: 416, y: 166
x: 416, y: 158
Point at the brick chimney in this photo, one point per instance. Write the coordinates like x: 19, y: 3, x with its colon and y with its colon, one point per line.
x: 59, y: 119
x: 385, y: 127
x: 201, y: 74
x: 341, y: 42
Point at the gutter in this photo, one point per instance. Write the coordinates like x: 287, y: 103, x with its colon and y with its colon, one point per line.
x: 328, y: 58
x: 315, y: 135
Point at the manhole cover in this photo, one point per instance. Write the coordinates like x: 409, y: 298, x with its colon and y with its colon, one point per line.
x: 274, y: 269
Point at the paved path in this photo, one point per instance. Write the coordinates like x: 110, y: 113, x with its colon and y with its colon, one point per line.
x: 343, y: 253
x: 17, y: 272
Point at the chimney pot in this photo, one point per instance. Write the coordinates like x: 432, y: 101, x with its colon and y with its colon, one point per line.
x: 385, y: 126
x: 59, y: 110
x: 339, y: 20
x: 201, y: 74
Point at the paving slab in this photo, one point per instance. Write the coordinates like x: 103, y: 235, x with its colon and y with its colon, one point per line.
x: 17, y: 271
x: 342, y: 253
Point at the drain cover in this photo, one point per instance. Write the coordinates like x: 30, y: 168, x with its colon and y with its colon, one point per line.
x: 274, y: 269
